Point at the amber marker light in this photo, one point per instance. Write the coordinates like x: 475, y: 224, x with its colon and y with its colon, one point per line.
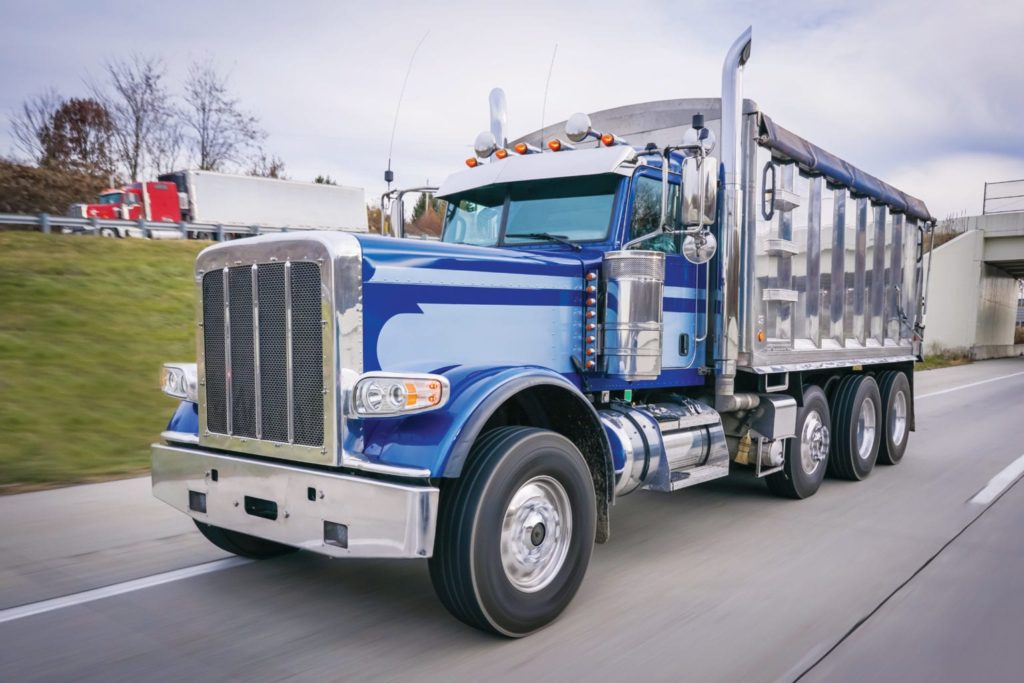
x: 472, y: 163
x: 607, y: 139
x: 501, y: 153
x: 760, y: 335
x: 521, y: 148
x: 555, y: 145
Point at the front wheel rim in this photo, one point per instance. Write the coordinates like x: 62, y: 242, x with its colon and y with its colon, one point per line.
x: 866, y: 428
x: 535, y: 534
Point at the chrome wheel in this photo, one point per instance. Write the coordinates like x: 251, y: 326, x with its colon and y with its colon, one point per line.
x: 898, y: 419
x: 535, y: 534
x: 866, y: 429
x: 814, y: 442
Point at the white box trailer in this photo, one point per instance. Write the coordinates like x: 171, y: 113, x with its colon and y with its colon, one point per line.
x: 226, y: 199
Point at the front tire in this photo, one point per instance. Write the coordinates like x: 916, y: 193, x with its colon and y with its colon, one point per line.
x: 807, y: 452
x: 245, y: 545
x: 515, y: 531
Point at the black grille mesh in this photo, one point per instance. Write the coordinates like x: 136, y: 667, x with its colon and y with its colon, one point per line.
x: 273, y: 352
x: 243, y: 372
x: 307, y: 353
x: 213, y: 338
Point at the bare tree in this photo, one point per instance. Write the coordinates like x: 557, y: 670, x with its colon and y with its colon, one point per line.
x: 79, y: 138
x: 138, y: 103
x: 167, y: 143
x: 31, y: 123
x: 219, y: 131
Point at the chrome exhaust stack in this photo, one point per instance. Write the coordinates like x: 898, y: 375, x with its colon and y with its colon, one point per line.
x: 727, y: 332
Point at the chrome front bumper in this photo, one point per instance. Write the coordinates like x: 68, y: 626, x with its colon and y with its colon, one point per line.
x: 332, y: 514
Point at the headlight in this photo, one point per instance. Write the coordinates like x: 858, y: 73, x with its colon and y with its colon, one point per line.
x: 179, y: 380
x: 380, y: 394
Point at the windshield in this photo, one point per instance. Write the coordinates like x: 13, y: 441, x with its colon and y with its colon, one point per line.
x: 576, y: 209
x: 111, y: 198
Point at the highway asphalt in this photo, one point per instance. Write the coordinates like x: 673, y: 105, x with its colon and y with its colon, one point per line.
x: 899, y: 577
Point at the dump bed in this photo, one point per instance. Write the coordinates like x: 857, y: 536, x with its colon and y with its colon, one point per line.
x: 830, y: 261
x: 830, y: 272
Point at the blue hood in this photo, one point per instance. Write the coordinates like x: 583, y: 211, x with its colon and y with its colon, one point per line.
x: 428, y: 306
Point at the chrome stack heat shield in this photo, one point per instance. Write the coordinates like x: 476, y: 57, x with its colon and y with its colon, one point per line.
x: 633, y: 304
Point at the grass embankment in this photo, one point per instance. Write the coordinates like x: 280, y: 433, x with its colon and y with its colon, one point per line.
x: 85, y: 324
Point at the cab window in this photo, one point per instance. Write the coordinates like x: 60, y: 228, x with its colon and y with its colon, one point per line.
x: 647, y: 213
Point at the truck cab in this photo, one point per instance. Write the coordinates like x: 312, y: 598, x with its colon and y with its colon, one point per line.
x: 619, y: 305
x: 150, y: 201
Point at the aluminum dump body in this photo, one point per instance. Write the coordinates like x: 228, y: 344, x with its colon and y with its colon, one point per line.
x: 830, y: 263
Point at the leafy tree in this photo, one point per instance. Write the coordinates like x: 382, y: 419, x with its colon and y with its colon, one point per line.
x: 373, y: 216
x: 426, y: 216
x: 80, y: 138
x: 219, y: 132
x: 325, y: 180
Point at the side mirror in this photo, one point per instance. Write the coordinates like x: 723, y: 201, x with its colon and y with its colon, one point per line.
x: 699, y: 194
x: 396, y: 216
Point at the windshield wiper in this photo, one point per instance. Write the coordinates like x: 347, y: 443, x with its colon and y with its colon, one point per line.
x: 547, y: 236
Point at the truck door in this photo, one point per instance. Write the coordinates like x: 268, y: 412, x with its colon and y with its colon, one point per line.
x: 684, y: 303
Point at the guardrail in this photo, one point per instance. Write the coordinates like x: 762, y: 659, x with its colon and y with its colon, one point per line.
x: 140, y: 228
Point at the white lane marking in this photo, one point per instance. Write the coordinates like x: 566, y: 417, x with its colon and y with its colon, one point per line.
x: 968, y: 386
x: 1000, y: 482
x: 34, y: 608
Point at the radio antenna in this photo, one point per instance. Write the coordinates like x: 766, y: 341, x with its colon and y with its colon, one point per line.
x: 544, y: 105
x: 389, y: 175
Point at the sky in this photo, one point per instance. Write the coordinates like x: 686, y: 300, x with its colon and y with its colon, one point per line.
x: 928, y: 95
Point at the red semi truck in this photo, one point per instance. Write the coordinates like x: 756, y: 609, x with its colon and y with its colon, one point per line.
x: 225, y: 199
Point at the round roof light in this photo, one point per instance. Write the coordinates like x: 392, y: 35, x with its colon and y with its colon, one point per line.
x: 485, y: 144
x: 578, y: 127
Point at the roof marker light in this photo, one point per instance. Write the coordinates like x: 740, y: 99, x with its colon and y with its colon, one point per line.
x: 472, y: 163
x: 525, y: 148
x: 501, y: 153
x: 557, y: 145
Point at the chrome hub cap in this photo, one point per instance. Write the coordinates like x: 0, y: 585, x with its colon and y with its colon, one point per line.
x: 898, y: 419
x: 814, y: 442
x: 866, y: 428
x: 535, y: 534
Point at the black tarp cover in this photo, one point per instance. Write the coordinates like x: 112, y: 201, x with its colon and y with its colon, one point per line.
x: 814, y: 159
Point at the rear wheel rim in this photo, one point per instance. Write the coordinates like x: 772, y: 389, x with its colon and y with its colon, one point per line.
x: 535, y: 534
x: 866, y: 428
x: 898, y: 421
x: 814, y: 442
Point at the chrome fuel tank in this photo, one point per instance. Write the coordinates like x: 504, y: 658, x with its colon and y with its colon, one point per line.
x: 633, y: 306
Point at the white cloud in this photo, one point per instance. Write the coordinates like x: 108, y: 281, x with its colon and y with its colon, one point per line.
x: 893, y: 87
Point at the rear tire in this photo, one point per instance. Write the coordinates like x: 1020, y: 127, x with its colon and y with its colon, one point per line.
x: 807, y: 452
x: 243, y: 544
x: 515, y: 531
x: 856, y: 428
x: 896, y: 408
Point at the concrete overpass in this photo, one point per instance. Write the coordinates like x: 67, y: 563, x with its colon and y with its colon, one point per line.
x: 974, y: 288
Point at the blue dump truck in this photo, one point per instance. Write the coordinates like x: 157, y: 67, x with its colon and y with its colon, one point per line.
x: 644, y: 298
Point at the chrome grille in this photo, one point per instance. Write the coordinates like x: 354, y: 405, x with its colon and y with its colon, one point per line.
x: 263, y: 348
